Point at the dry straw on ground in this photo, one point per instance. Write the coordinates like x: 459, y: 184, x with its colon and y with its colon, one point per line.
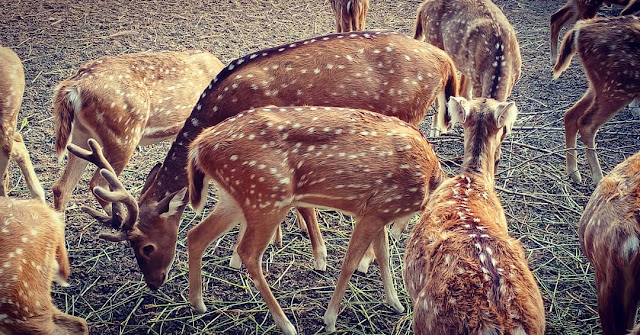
x: 55, y: 37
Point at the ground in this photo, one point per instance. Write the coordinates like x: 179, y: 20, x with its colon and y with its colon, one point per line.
x: 54, y: 38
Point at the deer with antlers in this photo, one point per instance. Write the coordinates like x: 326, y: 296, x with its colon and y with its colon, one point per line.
x: 32, y: 255
x: 481, y: 42
x: 608, y: 50
x: 462, y: 270
x: 575, y: 10
x: 376, y: 168
x: 350, y: 14
x: 609, y: 231
x: 383, y: 72
x: 125, y: 101
x: 11, y: 143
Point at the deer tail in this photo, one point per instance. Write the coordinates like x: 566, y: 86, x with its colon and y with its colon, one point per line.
x: 567, y: 51
x: 66, y: 101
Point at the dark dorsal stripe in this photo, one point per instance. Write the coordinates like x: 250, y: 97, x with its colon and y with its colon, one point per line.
x: 480, y: 134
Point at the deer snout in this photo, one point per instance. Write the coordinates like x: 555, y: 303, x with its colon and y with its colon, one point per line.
x: 155, y: 283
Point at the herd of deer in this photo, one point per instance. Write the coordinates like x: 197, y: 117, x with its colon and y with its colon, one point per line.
x: 271, y: 134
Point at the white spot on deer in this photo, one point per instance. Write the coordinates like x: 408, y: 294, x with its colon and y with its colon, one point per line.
x: 234, y: 158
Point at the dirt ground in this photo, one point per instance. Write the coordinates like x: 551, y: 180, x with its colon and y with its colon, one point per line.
x: 54, y: 37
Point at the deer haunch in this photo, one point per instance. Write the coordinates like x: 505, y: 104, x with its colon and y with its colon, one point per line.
x: 32, y: 254
x: 11, y: 144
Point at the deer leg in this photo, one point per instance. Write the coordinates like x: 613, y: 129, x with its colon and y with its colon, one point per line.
x: 617, y: 302
x: 20, y: 155
x: 438, y: 125
x: 69, y: 324
x: 310, y: 219
x: 598, y: 113
x: 465, y: 87
x: 6, y: 146
x: 64, y: 186
x: 381, y: 248
x: 571, y: 133
x: 302, y: 224
x: 251, y: 249
x: 235, y: 261
x: 225, y: 215
x: 363, y: 233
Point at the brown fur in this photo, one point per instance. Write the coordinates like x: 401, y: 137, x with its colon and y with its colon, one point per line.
x: 480, y: 40
x: 573, y: 11
x: 611, y: 64
x: 384, y: 72
x: 609, y: 233
x: 376, y: 168
x: 32, y: 247
x: 350, y: 14
x: 125, y: 101
x: 463, y: 272
x: 12, y: 86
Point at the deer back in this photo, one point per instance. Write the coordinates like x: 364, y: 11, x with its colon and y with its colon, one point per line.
x: 352, y: 160
x: 32, y: 254
x: 463, y: 271
x: 608, y: 49
x: 609, y: 228
x: 478, y: 37
x: 383, y: 72
x: 11, y: 90
x: 143, y: 96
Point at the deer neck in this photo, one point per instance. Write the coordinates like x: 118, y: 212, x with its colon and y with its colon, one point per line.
x: 479, y: 155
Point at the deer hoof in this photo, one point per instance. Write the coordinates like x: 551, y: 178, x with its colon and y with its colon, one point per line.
x: 198, y: 305
x: 575, y: 176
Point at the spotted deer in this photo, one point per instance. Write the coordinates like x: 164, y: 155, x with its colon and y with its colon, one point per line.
x: 609, y: 231
x: 374, y: 167
x: 575, y: 10
x: 32, y: 255
x: 350, y: 14
x: 462, y: 270
x: 125, y: 101
x: 384, y: 72
x: 481, y: 42
x: 11, y: 143
x: 608, y: 50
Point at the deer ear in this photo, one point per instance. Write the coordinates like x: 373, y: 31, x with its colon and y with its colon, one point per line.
x: 172, y: 203
x: 458, y: 110
x: 151, y: 177
x: 506, y: 116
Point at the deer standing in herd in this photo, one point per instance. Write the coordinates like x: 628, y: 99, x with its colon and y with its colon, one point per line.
x: 608, y: 50
x: 481, y: 42
x: 11, y: 143
x: 350, y: 14
x: 125, y: 101
x: 376, y: 168
x: 32, y: 255
x: 384, y: 72
x: 609, y: 233
x: 462, y: 270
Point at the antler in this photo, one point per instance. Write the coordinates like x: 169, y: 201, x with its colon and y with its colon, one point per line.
x: 117, y: 196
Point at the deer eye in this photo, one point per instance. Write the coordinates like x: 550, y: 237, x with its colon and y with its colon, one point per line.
x: 147, y: 250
